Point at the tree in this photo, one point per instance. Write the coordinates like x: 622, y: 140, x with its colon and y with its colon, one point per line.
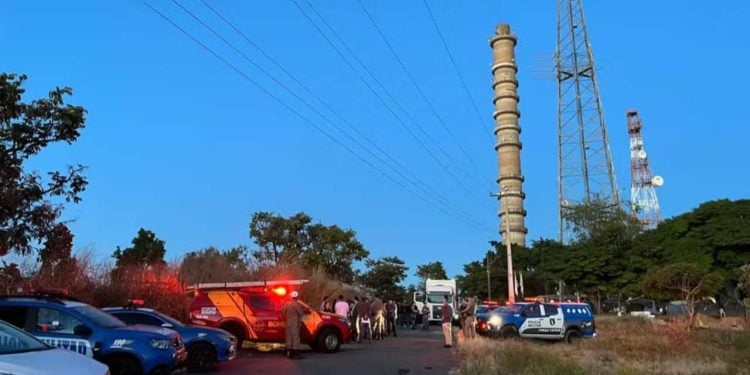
x: 384, y: 276
x: 745, y: 279
x: 26, y: 212
x: 279, y: 240
x: 334, y: 250
x: 432, y: 270
x: 213, y: 265
x: 147, y: 250
x: 682, y: 280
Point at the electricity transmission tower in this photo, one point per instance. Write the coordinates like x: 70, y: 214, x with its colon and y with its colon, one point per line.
x: 644, y: 203
x: 585, y: 169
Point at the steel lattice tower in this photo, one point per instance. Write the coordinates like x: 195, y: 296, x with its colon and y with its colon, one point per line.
x: 644, y: 203
x: 585, y: 169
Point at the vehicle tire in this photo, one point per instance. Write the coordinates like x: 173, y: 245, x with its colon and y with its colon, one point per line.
x: 235, y: 330
x: 508, y: 332
x: 123, y: 365
x: 201, y: 356
x: 573, y: 336
x: 329, y: 340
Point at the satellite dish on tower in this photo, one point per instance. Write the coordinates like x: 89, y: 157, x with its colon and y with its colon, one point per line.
x: 642, y: 154
x: 657, y: 181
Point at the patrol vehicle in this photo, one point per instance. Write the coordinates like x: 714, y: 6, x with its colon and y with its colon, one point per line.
x: 552, y: 321
x: 205, y: 346
x: 62, y: 321
x: 23, y: 354
x: 251, y: 311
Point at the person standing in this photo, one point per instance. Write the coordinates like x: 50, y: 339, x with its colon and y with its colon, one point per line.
x: 447, y: 329
x: 413, y: 316
x: 293, y: 311
x: 392, y: 315
x: 363, y: 321
x: 342, y: 307
x: 468, y: 320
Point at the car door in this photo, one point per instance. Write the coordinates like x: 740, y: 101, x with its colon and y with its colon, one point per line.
x: 59, y: 328
x: 532, y: 323
x: 268, y: 325
x: 553, y: 322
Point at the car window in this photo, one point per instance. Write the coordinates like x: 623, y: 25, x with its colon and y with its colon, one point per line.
x: 533, y: 311
x: 52, y: 320
x: 261, y: 302
x: 550, y: 310
x: 99, y: 317
x: 138, y: 318
x: 13, y: 340
x: 17, y: 316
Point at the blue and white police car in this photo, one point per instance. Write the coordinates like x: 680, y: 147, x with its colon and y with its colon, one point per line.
x: 206, y: 346
x: 69, y: 324
x: 552, y: 321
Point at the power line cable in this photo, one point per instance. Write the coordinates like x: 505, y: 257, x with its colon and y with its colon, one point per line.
x: 389, y: 108
x: 342, y: 131
x: 421, y: 92
x: 300, y: 116
x: 457, y: 69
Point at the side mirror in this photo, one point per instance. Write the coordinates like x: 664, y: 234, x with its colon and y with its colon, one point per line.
x: 166, y: 325
x: 82, y: 330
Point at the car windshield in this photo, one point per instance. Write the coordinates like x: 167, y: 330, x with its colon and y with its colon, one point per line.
x: 99, y: 317
x: 485, y: 309
x: 13, y: 340
x: 513, y: 309
x: 174, y: 322
x: 438, y: 297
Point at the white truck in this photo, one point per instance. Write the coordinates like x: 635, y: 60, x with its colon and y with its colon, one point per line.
x: 435, y: 293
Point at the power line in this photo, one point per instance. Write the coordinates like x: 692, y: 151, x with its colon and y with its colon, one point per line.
x: 300, y: 116
x: 482, y: 122
x: 441, y: 199
x: 380, y: 98
x: 421, y: 92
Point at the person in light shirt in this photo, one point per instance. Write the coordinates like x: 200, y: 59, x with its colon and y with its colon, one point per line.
x: 341, y: 307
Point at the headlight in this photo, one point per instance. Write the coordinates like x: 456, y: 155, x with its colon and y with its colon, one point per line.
x: 495, y: 320
x: 161, y: 344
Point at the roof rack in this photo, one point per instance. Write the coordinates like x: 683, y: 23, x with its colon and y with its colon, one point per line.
x: 245, y: 284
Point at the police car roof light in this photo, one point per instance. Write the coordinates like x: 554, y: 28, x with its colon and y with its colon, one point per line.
x: 135, y: 302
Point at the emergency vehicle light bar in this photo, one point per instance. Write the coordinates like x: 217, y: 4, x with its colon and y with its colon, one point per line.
x: 245, y: 284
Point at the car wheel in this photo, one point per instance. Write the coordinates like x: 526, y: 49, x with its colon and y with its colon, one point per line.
x: 329, y: 340
x: 123, y: 365
x: 509, y: 332
x: 201, y: 356
x: 573, y: 336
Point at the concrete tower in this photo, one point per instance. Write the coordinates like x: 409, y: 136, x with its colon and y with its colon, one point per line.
x: 507, y: 131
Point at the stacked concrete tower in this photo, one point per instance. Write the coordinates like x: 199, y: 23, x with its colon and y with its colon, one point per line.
x: 507, y: 132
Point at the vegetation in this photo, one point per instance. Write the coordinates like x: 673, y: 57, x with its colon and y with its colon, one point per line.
x: 623, y: 346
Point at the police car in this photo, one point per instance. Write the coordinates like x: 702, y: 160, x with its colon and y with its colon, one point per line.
x: 69, y: 324
x: 553, y: 321
x: 206, y: 346
x: 23, y: 354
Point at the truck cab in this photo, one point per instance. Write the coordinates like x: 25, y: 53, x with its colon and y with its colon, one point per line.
x: 436, y: 291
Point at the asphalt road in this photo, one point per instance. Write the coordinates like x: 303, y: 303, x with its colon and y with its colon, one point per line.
x: 412, y: 352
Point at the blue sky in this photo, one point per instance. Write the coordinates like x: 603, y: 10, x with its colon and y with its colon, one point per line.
x: 178, y: 143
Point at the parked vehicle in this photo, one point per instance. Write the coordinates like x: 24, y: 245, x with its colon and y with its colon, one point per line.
x: 436, y: 291
x: 62, y: 321
x: 251, y: 311
x: 567, y: 321
x: 206, y: 346
x: 24, y: 354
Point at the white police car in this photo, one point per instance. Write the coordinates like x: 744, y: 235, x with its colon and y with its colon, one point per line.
x: 23, y: 354
x: 553, y: 321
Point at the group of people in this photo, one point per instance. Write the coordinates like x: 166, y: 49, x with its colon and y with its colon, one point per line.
x: 371, y: 319
x: 467, y: 311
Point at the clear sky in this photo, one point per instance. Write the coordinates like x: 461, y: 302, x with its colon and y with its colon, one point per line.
x: 178, y: 143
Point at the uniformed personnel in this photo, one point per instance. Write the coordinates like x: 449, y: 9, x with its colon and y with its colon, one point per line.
x: 293, y: 311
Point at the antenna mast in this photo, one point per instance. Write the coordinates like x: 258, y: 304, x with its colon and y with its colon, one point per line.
x: 644, y: 203
x: 585, y: 168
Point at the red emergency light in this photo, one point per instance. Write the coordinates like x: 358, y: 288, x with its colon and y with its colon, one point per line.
x: 136, y: 302
x: 280, y: 291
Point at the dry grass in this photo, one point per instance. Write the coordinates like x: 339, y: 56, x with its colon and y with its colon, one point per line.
x: 623, y: 346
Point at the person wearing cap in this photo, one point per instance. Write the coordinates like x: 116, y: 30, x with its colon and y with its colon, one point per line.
x: 293, y: 311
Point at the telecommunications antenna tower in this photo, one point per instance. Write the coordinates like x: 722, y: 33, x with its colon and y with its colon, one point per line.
x: 645, y: 204
x: 585, y: 169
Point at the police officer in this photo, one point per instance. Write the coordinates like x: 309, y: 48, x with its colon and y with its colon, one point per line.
x: 293, y: 311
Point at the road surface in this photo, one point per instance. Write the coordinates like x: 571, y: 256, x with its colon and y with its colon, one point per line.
x: 412, y: 352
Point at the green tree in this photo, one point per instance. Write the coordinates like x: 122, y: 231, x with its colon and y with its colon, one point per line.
x: 146, y: 250
x: 214, y: 265
x: 279, y: 239
x: 432, y: 270
x: 384, y: 276
x: 27, y: 214
x: 334, y: 250
x: 684, y: 281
